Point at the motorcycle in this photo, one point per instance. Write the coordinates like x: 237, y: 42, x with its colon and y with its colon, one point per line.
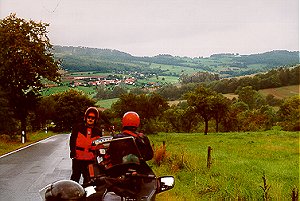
x: 118, y: 173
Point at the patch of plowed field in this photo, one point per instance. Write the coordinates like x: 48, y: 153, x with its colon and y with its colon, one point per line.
x: 282, y: 92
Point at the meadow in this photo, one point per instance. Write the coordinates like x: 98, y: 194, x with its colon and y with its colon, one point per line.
x: 107, y: 102
x: 90, y: 91
x: 174, y: 69
x: 244, y: 166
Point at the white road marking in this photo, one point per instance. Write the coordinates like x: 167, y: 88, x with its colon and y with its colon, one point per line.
x: 42, y: 141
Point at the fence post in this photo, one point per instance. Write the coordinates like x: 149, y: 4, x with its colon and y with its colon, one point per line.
x: 295, y: 195
x: 209, y: 157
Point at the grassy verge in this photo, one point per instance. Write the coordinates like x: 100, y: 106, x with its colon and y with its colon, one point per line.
x: 7, y: 145
x: 245, y: 166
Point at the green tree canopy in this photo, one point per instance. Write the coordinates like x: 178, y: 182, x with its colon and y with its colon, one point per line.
x: 208, y: 104
x: 251, y: 97
x: 220, y: 108
x: 69, y: 108
x: 231, y: 120
x: 8, y: 123
x: 181, y: 119
x: 289, y: 113
x: 148, y: 106
x: 25, y: 59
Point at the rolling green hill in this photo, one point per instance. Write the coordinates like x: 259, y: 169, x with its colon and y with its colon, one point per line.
x: 269, y: 70
x: 227, y: 65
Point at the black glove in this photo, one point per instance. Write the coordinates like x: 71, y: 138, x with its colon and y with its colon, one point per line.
x: 72, y: 154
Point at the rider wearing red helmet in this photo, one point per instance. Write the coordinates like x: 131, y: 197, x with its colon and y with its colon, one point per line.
x: 130, y: 123
x: 130, y: 119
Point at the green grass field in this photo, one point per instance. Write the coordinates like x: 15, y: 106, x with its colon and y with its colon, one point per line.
x: 161, y: 79
x: 239, y: 161
x: 106, y: 103
x: 90, y: 91
x: 174, y: 69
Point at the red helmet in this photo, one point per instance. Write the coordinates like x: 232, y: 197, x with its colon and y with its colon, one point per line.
x: 131, y: 119
x: 91, y: 110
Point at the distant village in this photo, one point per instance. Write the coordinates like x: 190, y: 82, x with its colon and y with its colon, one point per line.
x: 110, y: 80
x: 89, y: 79
x: 98, y: 80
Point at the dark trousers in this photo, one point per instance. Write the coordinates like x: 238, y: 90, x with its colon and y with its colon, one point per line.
x: 80, y: 167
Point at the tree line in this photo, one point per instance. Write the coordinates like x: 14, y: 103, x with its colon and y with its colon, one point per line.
x: 25, y: 60
x: 203, y: 110
x: 282, y: 76
x: 274, y: 78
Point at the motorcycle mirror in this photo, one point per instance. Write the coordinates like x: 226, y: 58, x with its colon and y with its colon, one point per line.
x: 166, y: 183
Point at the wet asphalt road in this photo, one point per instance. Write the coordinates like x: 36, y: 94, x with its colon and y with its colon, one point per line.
x: 25, y: 172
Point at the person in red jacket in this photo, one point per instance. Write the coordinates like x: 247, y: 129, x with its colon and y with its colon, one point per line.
x: 130, y: 124
x: 80, y: 144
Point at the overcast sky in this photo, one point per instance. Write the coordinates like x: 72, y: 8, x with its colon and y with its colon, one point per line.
x: 178, y: 27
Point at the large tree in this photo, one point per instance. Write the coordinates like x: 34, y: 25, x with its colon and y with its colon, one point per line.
x: 69, y: 108
x: 7, y: 121
x: 201, y: 100
x: 231, y: 121
x: 25, y: 61
x: 289, y: 113
x: 220, y: 108
x: 208, y: 104
x: 148, y: 106
x: 181, y: 119
x: 251, y: 97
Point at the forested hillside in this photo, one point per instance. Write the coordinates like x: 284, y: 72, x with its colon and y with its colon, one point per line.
x: 272, y: 79
x: 91, y: 59
x: 226, y: 65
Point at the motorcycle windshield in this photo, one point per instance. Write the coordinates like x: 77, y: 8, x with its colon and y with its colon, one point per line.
x: 123, y: 150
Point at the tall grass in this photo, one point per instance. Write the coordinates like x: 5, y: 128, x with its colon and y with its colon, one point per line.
x: 245, y: 166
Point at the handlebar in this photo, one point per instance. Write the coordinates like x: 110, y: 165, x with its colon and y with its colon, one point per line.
x: 101, y: 180
x: 135, y: 174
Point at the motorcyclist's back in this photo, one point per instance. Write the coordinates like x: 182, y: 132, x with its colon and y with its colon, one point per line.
x: 130, y: 123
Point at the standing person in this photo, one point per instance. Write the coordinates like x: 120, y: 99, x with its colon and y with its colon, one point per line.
x: 80, y: 144
x: 130, y: 123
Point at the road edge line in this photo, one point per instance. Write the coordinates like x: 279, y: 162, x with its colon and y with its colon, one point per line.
x: 7, y: 154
